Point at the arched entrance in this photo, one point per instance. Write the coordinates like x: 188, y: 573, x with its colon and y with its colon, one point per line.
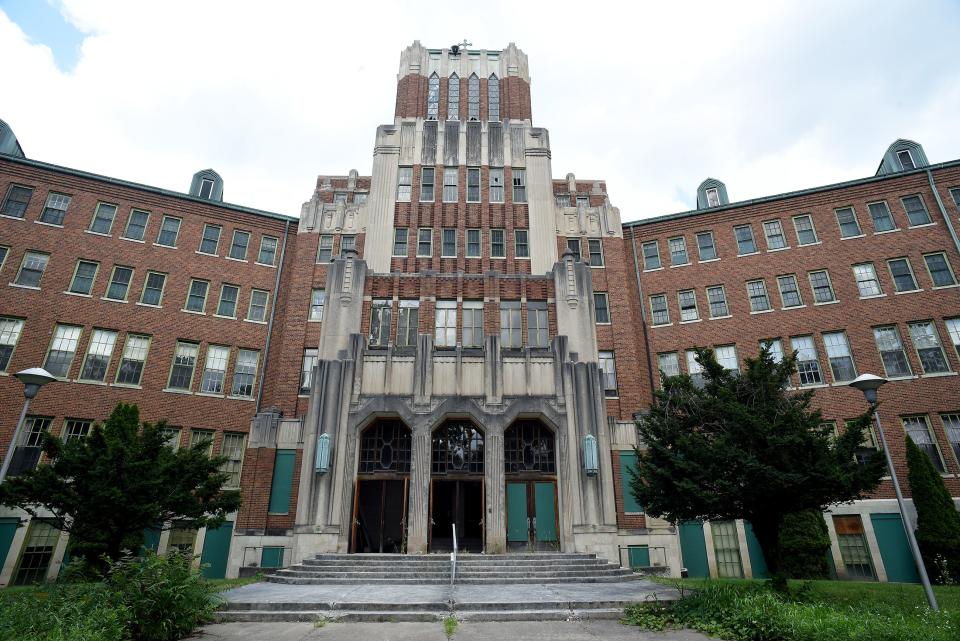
x: 530, y: 470
x: 380, y: 498
x: 456, y: 486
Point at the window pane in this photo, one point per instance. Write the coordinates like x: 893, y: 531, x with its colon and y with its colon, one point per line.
x: 717, y: 298
x: 902, y: 275
x: 757, y: 292
x: 268, y: 251
x: 153, y: 289
x: 847, y: 220
x: 169, y: 230
x: 688, y: 305
x: 119, y: 283
x: 259, y: 300
x: 521, y: 246
x: 808, y: 367
x: 325, y: 248
x: 238, y: 248
x: 210, y: 239
x: 773, y: 230
x: 496, y: 185
x: 891, y: 350
x: 32, y: 268
x: 473, y: 243
x: 83, y: 277
x: 841, y: 360
x: 99, y: 353
x: 939, y: 268
x: 658, y: 310
x: 822, y: 289
x: 318, y: 298
x: 600, y: 303
x: 400, y: 241
x: 678, y: 251
x: 103, y: 217
x: 918, y: 430
x: 10, y: 329
x: 608, y: 373
x: 228, y: 301
x: 15, y: 204
x: 446, y: 324
x: 197, y: 298
x: 310, y: 357
x: 184, y: 361
x: 519, y: 185
x: 706, y: 246
x: 214, y: 369
x: 789, y: 292
x: 498, y: 247
x: 133, y: 359
x: 806, y: 234
x: 927, y: 343
x: 425, y: 243
x: 62, y: 349
x: 916, y: 211
x: 55, y: 209
x: 745, y: 242
x: 882, y: 220
x: 867, y: 282
x: 651, y: 256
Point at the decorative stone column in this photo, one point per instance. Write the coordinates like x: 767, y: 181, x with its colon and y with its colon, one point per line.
x: 418, y: 508
x: 494, y: 518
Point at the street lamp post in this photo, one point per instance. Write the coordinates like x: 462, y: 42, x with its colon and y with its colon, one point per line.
x: 33, y: 379
x: 869, y: 384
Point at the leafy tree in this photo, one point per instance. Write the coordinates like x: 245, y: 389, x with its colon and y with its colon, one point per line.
x: 804, y: 545
x: 120, y: 480
x: 740, y: 446
x: 938, y: 523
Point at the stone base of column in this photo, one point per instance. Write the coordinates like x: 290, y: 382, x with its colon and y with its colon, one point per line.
x: 596, y: 539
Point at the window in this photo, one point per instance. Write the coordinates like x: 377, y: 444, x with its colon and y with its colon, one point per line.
x: 853, y: 547
x: 916, y: 211
x: 493, y: 97
x: 62, y: 349
x: 473, y: 323
x: 10, y: 330
x: 773, y: 230
x: 404, y: 184
x: 325, y: 248
x: 602, y: 305
x: 75, y: 430
x: 953, y: 328
x: 745, y: 242
x: 133, y: 359
x: 210, y: 239
x: 473, y: 243
x: 902, y: 272
x: 651, y: 256
x: 310, y: 356
x: 775, y: 347
x: 233, y: 446
x: 448, y: 244
x: 424, y: 243
x: 228, y: 301
x: 103, y: 217
x: 688, y: 305
x: 849, y: 226
x: 37, y: 552
x: 238, y: 248
x: 891, y: 350
x: 348, y: 243
x: 757, y: 293
x: 473, y: 97
x: 939, y: 268
x: 538, y: 333
x: 83, y: 276
x: 214, y: 369
x: 15, y: 204
x: 806, y: 232
x: 453, y: 97
x: 184, y: 362
x: 152, y: 292
x: 380, y: 322
x: 573, y: 244
x: 867, y: 283
x: 433, y: 97
x: 918, y: 429
x: 706, y: 247
x: 119, y: 283
x: 203, y: 439
x: 169, y: 231
x: 562, y: 200
x: 268, y: 251
x: 496, y: 185
x: 318, y: 297
x: 956, y: 197
x: 519, y: 185
x: 726, y: 549
x: 427, y: 181
x: 259, y: 299
x: 906, y: 160
x: 841, y: 360
x: 608, y: 374
x: 951, y: 422
x: 31, y: 269
x: 678, y: 251
x: 473, y: 184
x: 927, y: 343
x: 197, y: 297
x: 340, y: 197
x: 595, y: 247
x: 521, y: 244
x: 446, y: 324
x: 659, y: 310
x: 99, y: 353
x: 206, y: 188
x: 450, y: 194
x: 695, y: 369
x: 717, y: 298
x: 55, y: 209
x: 727, y: 357
x: 882, y: 220
x: 808, y: 367
x: 713, y: 197
x: 583, y: 201
x: 4, y: 252
x: 510, y: 327
x: 182, y: 539
x: 668, y: 364
x: 789, y: 291
x: 408, y: 323
x: 136, y: 225
x: 359, y: 197
x: 400, y: 241
x: 498, y: 248
x: 822, y: 287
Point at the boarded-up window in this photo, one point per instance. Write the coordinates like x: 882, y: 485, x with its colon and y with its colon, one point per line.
x: 473, y: 143
x: 451, y: 143
x: 428, y: 155
x: 495, y: 143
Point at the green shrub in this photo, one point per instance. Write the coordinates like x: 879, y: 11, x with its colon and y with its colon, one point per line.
x: 804, y: 545
x: 62, y: 613
x: 938, y: 524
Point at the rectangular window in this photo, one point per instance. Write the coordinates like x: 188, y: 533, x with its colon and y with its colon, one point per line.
x: 853, y: 547
x: 658, y: 309
x: 119, y: 283
x: 608, y: 374
x: 340, y: 197
x: 882, y: 220
x: 538, y: 332
x: 918, y: 429
x: 496, y: 185
x: 940, y: 272
x: 153, y: 286
x: 695, y: 369
x: 510, y: 328
x: 498, y: 245
x: 10, y: 330
x: 359, y: 197
x: 595, y: 247
x: 318, y: 298
x: 916, y: 211
x: 562, y: 200
x: 902, y: 272
x: 83, y: 277
x: 847, y: 220
x: 717, y: 297
x: 4, y: 252
x: 427, y: 181
x: 310, y: 357
x: 951, y: 423
x: 245, y: 373
x: 424, y: 243
x: 678, y: 251
x: 867, y: 282
x: 31, y: 269
x: 473, y: 184
x: 789, y: 291
x: 400, y: 241
x: 668, y: 364
x: 75, y: 430
x: 197, y: 297
x: 133, y: 359
x: 228, y: 301
x: 450, y: 190
x: 171, y: 437
x: 473, y: 243
x: 99, y: 353
x: 202, y: 439
x: 473, y: 323
x: 573, y: 244
x: 380, y: 312
x: 404, y: 184
x: 602, y: 305
x: 268, y: 251
x: 63, y: 347
x: 169, y: 231
x: 841, y: 360
x: 15, y: 204
x: 583, y: 201
x: 448, y: 244
x: 206, y: 188
x: 953, y: 329
x: 238, y: 247
x: 348, y: 243
x: 891, y: 350
x: 182, y: 539
x: 713, y: 197
x: 706, y: 247
x: 519, y: 185
x: 521, y: 244
x: 136, y: 225
x: 726, y: 549
x: 408, y: 323
x: 906, y: 160
x: 446, y: 324
x: 210, y: 239
x: 929, y: 350
x: 259, y: 301
x: 37, y: 553
x: 215, y: 369
x: 745, y: 242
x: 232, y: 449
x: 325, y: 248
x: 773, y: 230
x: 822, y: 287
x: 757, y: 293
x: 687, y: 300
x: 184, y: 362
x: 103, y: 217
x: 808, y: 366
x: 651, y: 256
x: 55, y: 209
x: 775, y: 347
x: 806, y: 232
x: 727, y: 357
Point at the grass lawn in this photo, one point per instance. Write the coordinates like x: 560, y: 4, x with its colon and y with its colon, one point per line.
x: 223, y: 585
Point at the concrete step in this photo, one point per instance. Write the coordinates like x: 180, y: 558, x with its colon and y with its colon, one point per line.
x: 293, y: 580
x: 443, y: 556
x: 445, y: 562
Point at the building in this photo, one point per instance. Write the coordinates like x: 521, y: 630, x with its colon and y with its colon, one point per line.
x: 460, y: 339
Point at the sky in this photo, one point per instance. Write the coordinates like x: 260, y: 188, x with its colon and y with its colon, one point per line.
x: 766, y: 96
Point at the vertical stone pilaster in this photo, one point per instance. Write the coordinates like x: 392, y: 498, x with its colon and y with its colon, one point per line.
x: 494, y: 518
x: 418, y: 517
x: 383, y: 195
x: 540, y: 200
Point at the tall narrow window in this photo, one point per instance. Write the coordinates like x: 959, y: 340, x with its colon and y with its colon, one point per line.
x: 882, y: 220
x: 99, y: 352
x: 136, y: 225
x: 408, y: 322
x: 573, y: 244
x: 427, y: 182
x: 259, y: 301
x: 55, y: 209
x: 678, y: 251
x: 232, y: 449
x: 472, y: 323
x: 197, y: 298
x: 153, y: 286
x: 424, y: 243
x: 521, y: 244
x: 63, y: 347
x: 318, y: 297
x: 215, y: 369
x: 651, y: 256
x: 806, y: 232
x: 668, y: 364
x: 498, y: 244
x: 31, y: 269
x: 133, y: 359
x: 822, y: 287
x: 953, y: 329
x: 727, y: 357
x: 951, y: 422
x: 210, y: 239
x: 929, y: 350
x: 918, y: 429
x: 694, y: 369
x: 510, y: 325
x: 867, y: 283
x: 808, y: 365
x: 841, y: 360
x: 687, y: 301
x: 493, y: 97
x: 448, y: 243
x: 602, y: 306
x: 745, y: 242
x: 906, y: 160
x: 325, y: 248
x: 595, y: 250
x: 891, y: 350
x: 608, y: 374
x: 169, y: 231
x: 757, y: 293
x: 348, y: 243
x: 184, y: 363
x: 103, y: 217
x: 15, y: 204
x: 228, y: 301
x: 538, y: 333
x: 775, y: 347
x: 268, y: 251
x: 446, y: 324
x: 453, y: 97
x: 519, y: 185
x: 773, y: 231
x: 310, y: 356
x: 916, y: 211
x: 238, y: 248
x: 940, y: 272
x: 847, y: 220
x: 404, y: 184
x: 713, y: 197
x: 473, y: 97
x: 473, y: 184
x: 706, y: 247
x: 658, y: 310
x: 450, y: 189
x: 853, y: 547
x: 37, y: 552
x: 717, y: 298
x: 83, y: 277
x: 380, y: 310
x: 496, y: 184
x: 473, y: 243
x: 433, y: 97
x: 902, y: 272
x: 10, y: 329
x: 789, y: 292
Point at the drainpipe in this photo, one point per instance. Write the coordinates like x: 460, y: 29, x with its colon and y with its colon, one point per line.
x: 643, y: 314
x: 273, y: 312
x: 943, y: 211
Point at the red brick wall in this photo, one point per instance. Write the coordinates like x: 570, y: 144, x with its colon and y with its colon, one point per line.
x: 412, y: 98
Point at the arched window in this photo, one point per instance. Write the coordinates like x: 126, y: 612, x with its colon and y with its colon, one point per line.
x: 453, y: 97
x: 433, y: 97
x: 385, y: 448
x: 528, y: 447
x: 473, y: 97
x: 493, y: 97
x: 458, y: 448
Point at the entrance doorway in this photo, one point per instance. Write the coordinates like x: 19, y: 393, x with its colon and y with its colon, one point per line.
x: 531, y: 487
x: 456, y: 487
x: 380, y: 497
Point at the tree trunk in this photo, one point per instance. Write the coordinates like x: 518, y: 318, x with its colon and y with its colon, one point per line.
x: 767, y: 531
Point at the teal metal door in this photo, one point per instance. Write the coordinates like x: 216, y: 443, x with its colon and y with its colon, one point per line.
x: 757, y: 562
x: 694, y: 549
x: 517, y: 527
x: 894, y: 550
x: 216, y: 551
x: 8, y: 528
x: 545, y: 508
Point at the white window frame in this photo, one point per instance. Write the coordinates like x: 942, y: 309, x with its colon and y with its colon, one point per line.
x: 781, y: 233
x: 813, y: 230
x: 136, y: 348
x: 404, y: 243
x: 266, y: 306
x: 445, y: 324
x: 425, y: 236
x: 861, y: 281
x: 313, y: 315
x: 444, y: 233
x: 946, y: 261
x: 687, y: 317
x: 215, y: 365
x: 796, y: 287
x: 813, y: 289
x: 176, y: 232
x: 101, y: 344
x: 913, y: 275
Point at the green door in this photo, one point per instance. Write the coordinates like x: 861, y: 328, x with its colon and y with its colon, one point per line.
x: 546, y: 512
x: 8, y: 528
x: 694, y: 549
x: 216, y: 550
x: 757, y: 562
x: 517, y: 530
x: 639, y: 556
x: 894, y: 549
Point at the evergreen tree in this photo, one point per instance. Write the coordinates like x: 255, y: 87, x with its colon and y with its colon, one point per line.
x: 804, y: 546
x: 123, y: 478
x: 938, y: 523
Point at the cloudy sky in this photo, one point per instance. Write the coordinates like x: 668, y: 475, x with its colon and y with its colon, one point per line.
x: 767, y: 97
